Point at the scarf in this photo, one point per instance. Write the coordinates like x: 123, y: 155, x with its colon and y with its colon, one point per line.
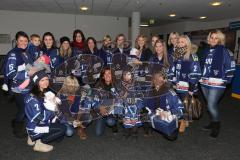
x: 78, y: 45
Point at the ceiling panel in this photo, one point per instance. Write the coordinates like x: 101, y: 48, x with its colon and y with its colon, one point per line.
x: 158, y: 9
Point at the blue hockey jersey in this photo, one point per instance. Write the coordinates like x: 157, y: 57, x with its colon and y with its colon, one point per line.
x: 106, y: 56
x: 131, y: 114
x: 187, y: 74
x: 218, y: 68
x: 169, y: 70
x: 15, y: 66
x: 53, y: 55
x: 37, y: 115
x: 34, y: 51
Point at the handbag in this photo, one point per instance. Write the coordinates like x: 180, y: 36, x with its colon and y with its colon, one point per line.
x: 193, y: 107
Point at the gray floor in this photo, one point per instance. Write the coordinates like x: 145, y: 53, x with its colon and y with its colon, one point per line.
x: 194, y: 144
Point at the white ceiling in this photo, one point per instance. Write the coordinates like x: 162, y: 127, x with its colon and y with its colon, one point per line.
x: 157, y: 9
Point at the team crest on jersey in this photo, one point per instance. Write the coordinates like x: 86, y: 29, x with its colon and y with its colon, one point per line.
x: 195, y: 57
x: 215, y: 72
x: 178, y: 66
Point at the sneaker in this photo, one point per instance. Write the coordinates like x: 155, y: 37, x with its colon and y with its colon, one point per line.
x: 41, y: 147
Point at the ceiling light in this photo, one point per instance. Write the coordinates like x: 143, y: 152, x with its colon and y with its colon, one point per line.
x: 84, y: 8
x: 202, y: 17
x: 144, y: 25
x: 172, y: 15
x: 217, y: 3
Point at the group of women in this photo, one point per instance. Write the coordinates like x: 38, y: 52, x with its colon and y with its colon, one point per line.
x: 174, y: 73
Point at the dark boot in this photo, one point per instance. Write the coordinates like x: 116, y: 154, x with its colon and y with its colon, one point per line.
x: 215, y: 129
x: 135, y: 132
x: 208, y: 127
x: 115, y: 129
x: 127, y: 133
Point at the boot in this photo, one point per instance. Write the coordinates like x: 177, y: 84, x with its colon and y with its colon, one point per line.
x: 208, y: 127
x: 82, y: 133
x: 135, y: 132
x: 115, y: 129
x: 182, y: 126
x: 30, y: 142
x: 127, y: 133
x: 41, y: 147
x: 215, y: 129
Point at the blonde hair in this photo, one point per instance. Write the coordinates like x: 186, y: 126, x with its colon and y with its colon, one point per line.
x: 107, y: 37
x: 165, y: 53
x: 170, y: 36
x: 69, y: 51
x: 220, y: 35
x: 70, y: 86
x: 188, y: 45
x: 136, y: 41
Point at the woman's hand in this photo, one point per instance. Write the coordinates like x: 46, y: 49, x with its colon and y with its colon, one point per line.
x: 103, y: 111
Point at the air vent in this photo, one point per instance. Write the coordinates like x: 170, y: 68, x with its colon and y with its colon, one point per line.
x: 5, y: 38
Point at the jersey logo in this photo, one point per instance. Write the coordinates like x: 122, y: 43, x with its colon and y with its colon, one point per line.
x: 195, y: 58
x: 215, y: 72
x: 209, y: 61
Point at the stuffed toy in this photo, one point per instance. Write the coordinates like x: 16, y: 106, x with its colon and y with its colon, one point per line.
x: 51, y: 102
x: 167, y: 116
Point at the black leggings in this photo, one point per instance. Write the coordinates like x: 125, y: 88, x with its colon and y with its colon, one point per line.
x: 19, y: 101
x: 56, y: 131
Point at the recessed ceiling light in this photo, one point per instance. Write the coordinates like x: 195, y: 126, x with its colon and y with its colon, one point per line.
x: 172, y: 15
x: 84, y: 8
x: 217, y: 3
x: 144, y: 25
x: 202, y: 17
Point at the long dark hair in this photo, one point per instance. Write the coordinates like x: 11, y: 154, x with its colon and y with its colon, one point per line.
x: 102, y: 81
x: 54, y: 41
x: 36, y: 92
x: 86, y: 48
x: 75, y: 32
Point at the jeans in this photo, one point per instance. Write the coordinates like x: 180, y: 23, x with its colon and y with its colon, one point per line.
x: 69, y: 130
x: 100, y: 124
x: 212, y: 96
x: 56, y: 131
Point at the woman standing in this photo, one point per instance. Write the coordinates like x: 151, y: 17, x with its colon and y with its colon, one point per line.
x: 91, y: 47
x: 49, y: 47
x: 172, y: 42
x: 78, y: 41
x: 15, y: 72
x: 187, y: 71
x: 42, y: 127
x: 65, y: 51
x: 218, y: 71
x: 162, y: 58
x: 106, y: 51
